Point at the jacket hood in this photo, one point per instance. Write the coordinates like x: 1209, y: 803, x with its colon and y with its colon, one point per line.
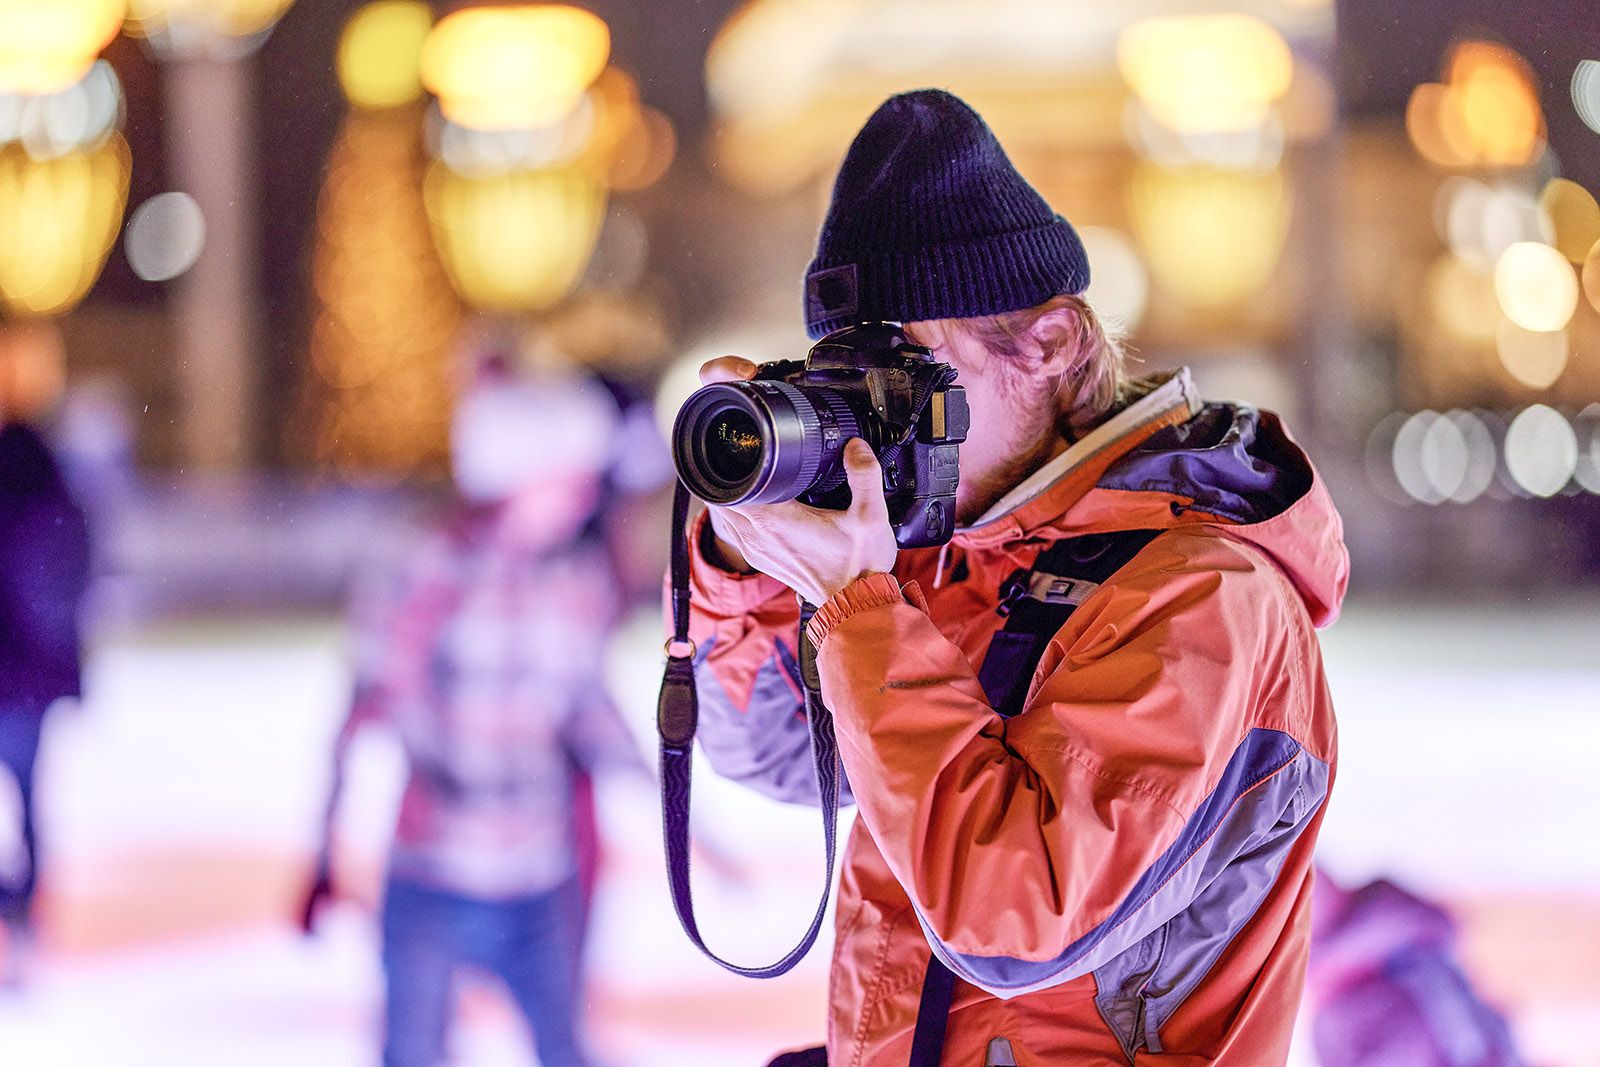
x: 1174, y: 461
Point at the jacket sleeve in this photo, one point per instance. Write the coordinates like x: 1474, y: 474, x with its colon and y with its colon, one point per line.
x: 1038, y: 848
x: 752, y: 710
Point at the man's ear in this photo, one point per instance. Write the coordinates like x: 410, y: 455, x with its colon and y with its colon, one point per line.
x: 1054, y: 336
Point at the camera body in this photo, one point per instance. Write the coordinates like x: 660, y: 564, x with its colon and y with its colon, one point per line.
x: 781, y: 435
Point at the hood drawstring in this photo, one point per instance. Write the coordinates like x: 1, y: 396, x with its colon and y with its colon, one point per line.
x: 938, y: 574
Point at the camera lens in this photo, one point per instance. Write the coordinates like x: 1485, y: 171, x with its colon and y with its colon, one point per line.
x: 760, y: 441
x: 733, y: 445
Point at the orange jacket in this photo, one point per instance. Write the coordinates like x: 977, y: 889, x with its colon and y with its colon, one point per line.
x: 1121, y: 873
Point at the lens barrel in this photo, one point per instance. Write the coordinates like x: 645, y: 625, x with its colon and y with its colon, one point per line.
x: 760, y: 442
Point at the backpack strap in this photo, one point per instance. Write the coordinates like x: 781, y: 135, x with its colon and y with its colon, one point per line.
x: 1035, y: 603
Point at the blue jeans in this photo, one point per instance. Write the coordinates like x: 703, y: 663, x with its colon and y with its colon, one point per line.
x: 19, y: 749
x: 531, y: 943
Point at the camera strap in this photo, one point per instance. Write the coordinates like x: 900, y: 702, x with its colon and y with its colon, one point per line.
x: 677, y: 717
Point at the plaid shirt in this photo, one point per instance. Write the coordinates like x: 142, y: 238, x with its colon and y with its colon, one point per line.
x: 486, y: 658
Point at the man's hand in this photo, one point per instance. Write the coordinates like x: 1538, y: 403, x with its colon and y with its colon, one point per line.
x: 813, y: 551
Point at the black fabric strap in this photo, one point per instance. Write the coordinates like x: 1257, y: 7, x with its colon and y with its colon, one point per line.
x: 1035, y: 608
x: 677, y: 716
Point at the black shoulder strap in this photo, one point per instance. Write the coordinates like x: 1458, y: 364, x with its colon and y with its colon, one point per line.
x: 1036, y: 604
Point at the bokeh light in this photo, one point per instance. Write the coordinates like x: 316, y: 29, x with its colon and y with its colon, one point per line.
x: 1536, y: 286
x: 48, y: 45
x: 78, y: 117
x: 517, y: 241
x: 58, y: 220
x: 1119, y: 286
x: 1239, y: 218
x: 1541, y: 450
x: 1207, y: 72
x: 1591, y: 276
x: 1571, y: 217
x: 1461, y: 298
x: 1586, y: 428
x: 165, y: 236
x: 1480, y: 221
x: 380, y: 53
x: 517, y: 67
x: 1486, y: 113
x: 1586, y: 92
x: 1534, y: 358
x: 1444, y: 457
x: 192, y: 26
x: 385, y: 313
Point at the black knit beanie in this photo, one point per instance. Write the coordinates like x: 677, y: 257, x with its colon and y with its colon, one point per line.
x: 930, y: 220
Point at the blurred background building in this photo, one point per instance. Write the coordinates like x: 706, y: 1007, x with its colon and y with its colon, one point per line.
x: 244, y: 244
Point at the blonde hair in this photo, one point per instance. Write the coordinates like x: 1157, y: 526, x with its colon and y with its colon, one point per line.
x: 1094, y: 380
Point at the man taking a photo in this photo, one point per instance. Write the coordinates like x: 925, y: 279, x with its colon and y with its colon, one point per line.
x: 1114, y: 857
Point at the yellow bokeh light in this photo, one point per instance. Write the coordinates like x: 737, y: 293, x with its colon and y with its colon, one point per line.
x: 1591, y: 276
x: 1573, y: 216
x: 58, y: 220
x: 1536, y: 286
x: 1239, y: 218
x: 231, y: 18
x: 49, y: 45
x: 1462, y: 298
x: 517, y: 241
x: 380, y: 53
x: 496, y: 68
x: 1536, y: 359
x: 1206, y: 73
x: 1485, y: 114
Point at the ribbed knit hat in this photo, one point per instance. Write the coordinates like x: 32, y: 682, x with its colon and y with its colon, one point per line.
x: 930, y: 220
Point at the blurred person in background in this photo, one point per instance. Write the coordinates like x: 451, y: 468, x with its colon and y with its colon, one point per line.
x: 44, y: 570
x: 1089, y: 842
x: 484, y: 653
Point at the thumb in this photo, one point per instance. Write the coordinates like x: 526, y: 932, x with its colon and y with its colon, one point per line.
x: 865, y: 476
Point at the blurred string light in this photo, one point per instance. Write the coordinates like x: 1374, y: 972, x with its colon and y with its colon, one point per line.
x: 380, y: 53
x: 1119, y: 286
x: 1479, y: 221
x: 1570, y: 218
x: 385, y: 314
x: 1591, y: 276
x: 514, y: 67
x: 1541, y: 451
x: 1485, y: 114
x: 1534, y: 358
x: 1536, y: 286
x: 1586, y: 429
x: 78, y: 117
x: 58, y: 221
x: 1207, y: 73
x: 48, y: 45
x: 165, y: 236
x: 218, y: 28
x: 532, y: 134
x: 516, y: 241
x: 1213, y: 236
x: 1439, y: 457
x: 1586, y: 92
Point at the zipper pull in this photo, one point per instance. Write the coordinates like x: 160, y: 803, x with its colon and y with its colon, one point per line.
x: 1015, y: 589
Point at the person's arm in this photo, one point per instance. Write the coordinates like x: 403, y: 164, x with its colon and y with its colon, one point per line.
x: 1037, y: 848
x: 752, y: 712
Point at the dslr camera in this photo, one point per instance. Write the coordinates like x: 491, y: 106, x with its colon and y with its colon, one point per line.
x: 781, y: 435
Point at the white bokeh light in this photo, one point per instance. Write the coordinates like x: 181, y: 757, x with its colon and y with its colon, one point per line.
x: 165, y: 236
x: 1541, y: 450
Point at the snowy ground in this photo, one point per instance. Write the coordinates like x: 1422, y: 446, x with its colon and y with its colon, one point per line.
x: 180, y: 804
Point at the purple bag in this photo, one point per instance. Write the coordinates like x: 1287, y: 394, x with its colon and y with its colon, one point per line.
x: 1385, y: 987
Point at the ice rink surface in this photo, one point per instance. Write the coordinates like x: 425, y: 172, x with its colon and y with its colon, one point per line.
x: 180, y: 804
